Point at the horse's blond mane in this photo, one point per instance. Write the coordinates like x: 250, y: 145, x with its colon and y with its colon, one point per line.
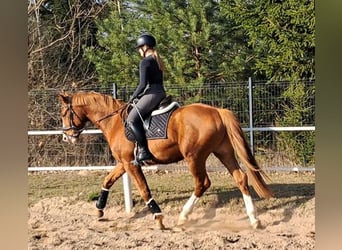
x: 95, y: 98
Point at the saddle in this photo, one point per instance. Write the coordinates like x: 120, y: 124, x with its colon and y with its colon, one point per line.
x: 156, y: 123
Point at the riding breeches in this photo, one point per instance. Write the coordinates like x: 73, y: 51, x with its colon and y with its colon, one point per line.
x: 146, y: 104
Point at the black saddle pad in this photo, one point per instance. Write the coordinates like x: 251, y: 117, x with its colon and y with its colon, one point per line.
x: 157, y: 126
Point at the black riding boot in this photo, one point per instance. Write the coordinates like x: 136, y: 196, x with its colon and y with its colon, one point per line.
x: 139, y: 134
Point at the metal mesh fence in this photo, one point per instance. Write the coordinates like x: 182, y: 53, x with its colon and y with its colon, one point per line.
x: 273, y: 104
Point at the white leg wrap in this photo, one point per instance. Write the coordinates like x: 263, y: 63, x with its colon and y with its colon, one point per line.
x: 250, y: 209
x: 189, y: 205
x: 149, y: 201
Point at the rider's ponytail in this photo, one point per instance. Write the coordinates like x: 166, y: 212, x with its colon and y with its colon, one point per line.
x: 159, y: 60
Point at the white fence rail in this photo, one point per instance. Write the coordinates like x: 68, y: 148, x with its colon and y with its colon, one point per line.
x: 97, y: 131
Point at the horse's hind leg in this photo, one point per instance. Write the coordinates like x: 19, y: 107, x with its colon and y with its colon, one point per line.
x: 108, y: 182
x: 202, y: 183
x: 241, y: 181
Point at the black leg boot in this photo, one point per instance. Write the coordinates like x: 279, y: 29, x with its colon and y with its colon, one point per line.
x: 143, y: 153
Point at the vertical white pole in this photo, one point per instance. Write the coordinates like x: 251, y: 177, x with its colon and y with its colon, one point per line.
x: 126, y: 180
x: 127, y: 192
x: 250, y: 92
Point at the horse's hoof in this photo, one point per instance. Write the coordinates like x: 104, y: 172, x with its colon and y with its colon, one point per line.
x: 178, y: 228
x: 100, y: 213
x: 159, y: 222
x: 160, y: 225
x: 256, y: 225
x: 182, y: 220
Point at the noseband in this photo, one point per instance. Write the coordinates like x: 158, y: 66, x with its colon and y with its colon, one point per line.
x: 77, y: 131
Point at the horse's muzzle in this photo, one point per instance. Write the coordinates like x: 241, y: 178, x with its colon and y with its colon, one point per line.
x: 70, y: 138
x: 71, y: 134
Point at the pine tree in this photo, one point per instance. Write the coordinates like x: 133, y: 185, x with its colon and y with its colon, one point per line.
x: 281, y: 34
x: 196, y: 42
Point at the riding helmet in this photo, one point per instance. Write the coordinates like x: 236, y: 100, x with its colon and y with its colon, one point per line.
x: 146, y: 39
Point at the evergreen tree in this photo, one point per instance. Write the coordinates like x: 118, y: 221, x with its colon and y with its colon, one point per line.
x: 298, y: 109
x: 183, y: 29
x: 196, y: 42
x: 281, y: 37
x: 281, y: 34
x: 115, y: 57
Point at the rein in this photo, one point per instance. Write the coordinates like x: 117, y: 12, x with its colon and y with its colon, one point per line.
x: 113, y: 113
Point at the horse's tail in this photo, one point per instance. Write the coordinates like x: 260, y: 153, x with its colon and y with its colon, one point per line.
x: 244, y: 153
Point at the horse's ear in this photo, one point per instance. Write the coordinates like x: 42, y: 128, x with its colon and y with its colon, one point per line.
x: 63, y: 96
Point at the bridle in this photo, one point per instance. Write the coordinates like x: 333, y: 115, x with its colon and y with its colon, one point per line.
x: 76, y: 130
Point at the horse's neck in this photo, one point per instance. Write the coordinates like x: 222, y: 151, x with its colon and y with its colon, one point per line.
x: 102, y: 116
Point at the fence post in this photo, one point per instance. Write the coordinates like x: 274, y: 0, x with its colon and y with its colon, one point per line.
x: 250, y: 98
x: 125, y: 178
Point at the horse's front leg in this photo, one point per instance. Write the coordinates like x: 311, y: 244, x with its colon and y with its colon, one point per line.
x: 108, y: 182
x: 144, y: 190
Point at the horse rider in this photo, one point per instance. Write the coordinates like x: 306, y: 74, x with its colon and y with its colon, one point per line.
x: 148, y: 94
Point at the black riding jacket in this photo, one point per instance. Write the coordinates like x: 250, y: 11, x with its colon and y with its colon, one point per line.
x: 151, y: 77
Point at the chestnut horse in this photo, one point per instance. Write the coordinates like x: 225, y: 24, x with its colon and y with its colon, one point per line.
x: 194, y: 132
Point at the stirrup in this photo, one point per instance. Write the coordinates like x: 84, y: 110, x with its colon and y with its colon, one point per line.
x: 140, y: 162
x: 135, y: 162
x: 143, y: 161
